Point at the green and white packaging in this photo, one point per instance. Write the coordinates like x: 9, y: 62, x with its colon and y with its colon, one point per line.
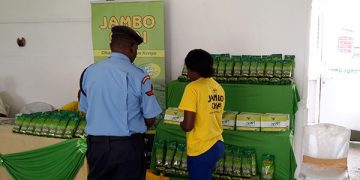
x: 19, y: 119
x: 60, y: 130
x: 260, y: 69
x: 246, y: 164
x: 229, y: 67
x: 253, y: 162
x: 253, y: 80
x: 47, y: 125
x: 228, y: 119
x: 178, y: 155
x: 253, y: 66
x: 237, y: 65
x: 246, y: 121
x: 274, y: 81
x: 286, y: 81
x: 219, y: 168
x: 183, y: 165
x: 222, y: 65
x: 71, y: 126
x: 160, y: 155
x: 54, y: 124
x: 288, y: 66
x: 269, y: 67
x: 170, y: 152
x: 216, y: 58
x: 173, y: 116
x: 26, y: 123
x: 275, y: 122
x: 80, y: 131
x: 267, y: 167
x: 245, y: 67
x: 278, y: 68
x: 31, y: 127
x: 228, y: 162
x: 39, y: 124
x: 237, y: 159
x: 263, y: 80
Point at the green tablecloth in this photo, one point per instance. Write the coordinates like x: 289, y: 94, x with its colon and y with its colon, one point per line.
x: 278, y: 144
x: 248, y: 98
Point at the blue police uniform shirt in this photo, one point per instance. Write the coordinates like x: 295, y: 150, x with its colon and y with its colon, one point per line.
x: 119, y: 96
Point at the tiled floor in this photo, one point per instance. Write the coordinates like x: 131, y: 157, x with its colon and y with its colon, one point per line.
x: 354, y: 160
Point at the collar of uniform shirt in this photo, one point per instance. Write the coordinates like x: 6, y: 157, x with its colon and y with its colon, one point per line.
x: 120, y: 56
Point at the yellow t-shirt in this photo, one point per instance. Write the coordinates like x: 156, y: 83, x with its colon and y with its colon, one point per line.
x: 206, y: 98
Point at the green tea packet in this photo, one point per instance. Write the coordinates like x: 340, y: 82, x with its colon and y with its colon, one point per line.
x: 80, y: 131
x: 242, y: 80
x: 278, y: 68
x: 54, y: 123
x: 182, y: 173
x: 286, y: 81
x: 26, y: 123
x: 159, y: 155
x: 237, y: 152
x: 170, y: 152
x: 253, y: 162
x: 267, y: 167
x: 221, y: 66
x: 253, y: 66
x: 183, y: 165
x: 274, y: 81
x: 31, y: 127
x: 288, y: 66
x: 46, y: 126
x: 169, y: 172
x: 71, y: 126
x: 219, y: 168
x: 246, y: 164
x: 269, y: 66
x: 253, y: 80
x: 260, y: 69
x: 263, y: 80
x: 228, y: 162
x: 216, y: 58
x: 39, y: 124
x: 245, y: 67
x: 237, y: 65
x: 19, y: 119
x: 229, y: 67
x: 60, y: 130
x: 178, y: 155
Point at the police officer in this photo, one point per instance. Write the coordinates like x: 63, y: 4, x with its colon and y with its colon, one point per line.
x: 120, y: 104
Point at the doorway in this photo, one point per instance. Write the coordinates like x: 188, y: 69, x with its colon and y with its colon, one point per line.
x: 334, y: 66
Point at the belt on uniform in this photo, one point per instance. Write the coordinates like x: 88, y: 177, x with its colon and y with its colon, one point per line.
x: 92, y: 138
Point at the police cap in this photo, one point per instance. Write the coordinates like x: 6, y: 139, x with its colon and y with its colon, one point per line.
x: 127, y: 31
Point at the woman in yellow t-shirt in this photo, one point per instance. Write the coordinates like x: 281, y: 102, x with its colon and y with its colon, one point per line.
x: 203, y: 103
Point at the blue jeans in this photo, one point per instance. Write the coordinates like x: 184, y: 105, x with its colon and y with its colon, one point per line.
x: 201, y: 167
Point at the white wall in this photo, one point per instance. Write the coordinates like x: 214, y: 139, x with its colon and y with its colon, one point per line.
x: 58, y: 35
x: 58, y: 47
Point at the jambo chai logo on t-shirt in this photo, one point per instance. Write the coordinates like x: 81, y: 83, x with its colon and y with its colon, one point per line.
x: 216, y: 100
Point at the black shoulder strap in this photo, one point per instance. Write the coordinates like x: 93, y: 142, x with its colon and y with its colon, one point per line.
x: 81, y: 79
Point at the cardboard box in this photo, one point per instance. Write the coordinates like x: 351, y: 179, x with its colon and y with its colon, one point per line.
x: 247, y: 121
x: 275, y: 122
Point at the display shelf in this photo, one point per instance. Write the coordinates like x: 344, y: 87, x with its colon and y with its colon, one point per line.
x: 247, y: 98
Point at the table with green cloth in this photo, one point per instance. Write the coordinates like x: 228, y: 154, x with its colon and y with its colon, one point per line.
x: 247, y: 98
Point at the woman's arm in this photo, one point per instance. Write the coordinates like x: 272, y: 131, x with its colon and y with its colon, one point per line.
x: 189, y: 121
